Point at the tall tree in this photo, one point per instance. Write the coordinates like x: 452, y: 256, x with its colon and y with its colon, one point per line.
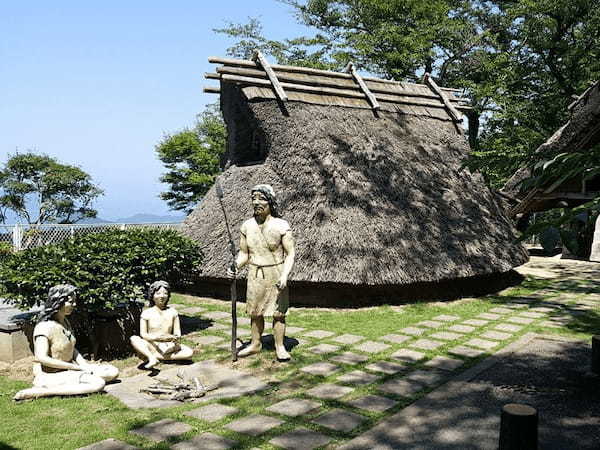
x: 39, y: 189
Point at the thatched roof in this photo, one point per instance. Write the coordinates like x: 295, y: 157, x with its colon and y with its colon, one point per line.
x: 373, y: 198
x: 579, y: 134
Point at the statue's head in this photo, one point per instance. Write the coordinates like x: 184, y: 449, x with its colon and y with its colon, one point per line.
x: 159, y: 293
x: 61, y: 295
x: 263, y: 196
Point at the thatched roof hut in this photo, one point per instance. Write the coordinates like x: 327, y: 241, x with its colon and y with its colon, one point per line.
x: 370, y: 179
x: 579, y: 134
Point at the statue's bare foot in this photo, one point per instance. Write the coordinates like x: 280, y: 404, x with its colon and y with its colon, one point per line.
x: 151, y: 363
x: 26, y: 394
x: 250, y: 350
x: 282, y: 354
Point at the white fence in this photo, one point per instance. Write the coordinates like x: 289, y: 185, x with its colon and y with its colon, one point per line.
x: 22, y: 237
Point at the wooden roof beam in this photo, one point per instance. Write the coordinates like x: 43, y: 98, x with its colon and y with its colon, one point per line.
x: 363, y: 87
x: 258, y: 57
x: 454, y: 113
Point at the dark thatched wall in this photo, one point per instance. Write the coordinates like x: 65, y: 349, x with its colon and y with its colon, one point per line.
x: 376, y: 203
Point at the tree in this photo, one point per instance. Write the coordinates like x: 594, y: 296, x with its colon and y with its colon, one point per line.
x: 192, y: 157
x: 39, y: 189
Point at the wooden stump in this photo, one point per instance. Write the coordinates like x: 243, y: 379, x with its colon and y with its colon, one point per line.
x: 518, y: 427
x: 596, y: 354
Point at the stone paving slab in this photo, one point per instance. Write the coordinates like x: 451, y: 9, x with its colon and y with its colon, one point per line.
x: 489, y: 316
x: 254, y: 425
x: 426, y: 344
x: 407, y: 355
x: 215, y: 326
x: 520, y: 320
x: 461, y: 328
x: 497, y: 335
x: 543, y: 309
x: 469, y: 352
x: 340, y: 420
x: 205, y: 441
x: 444, y: 363
x: 413, y: 331
x: 358, y: 377
x: 374, y: 403
x: 348, y: 339
x: 329, y: 391
x: 349, y: 358
x: 107, y: 444
x: 293, y: 330
x: 446, y: 318
x: 211, y: 413
x: 476, y: 322
x: 321, y: 368
x: 294, y: 407
x: 430, y: 324
x: 401, y: 387
x: 532, y: 314
x: 395, y: 338
x: 217, y: 315
x: 162, y: 430
x: 426, y: 377
x: 481, y: 343
x: 206, y: 339
x: 446, y: 335
x: 323, y: 349
x: 300, y: 439
x: 387, y: 367
x: 319, y: 334
x: 500, y: 310
x: 508, y: 327
x: 191, y: 310
x: 230, y: 384
x: 371, y: 347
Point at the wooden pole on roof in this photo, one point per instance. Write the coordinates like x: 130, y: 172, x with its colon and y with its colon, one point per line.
x: 363, y: 86
x: 456, y: 116
x: 258, y: 57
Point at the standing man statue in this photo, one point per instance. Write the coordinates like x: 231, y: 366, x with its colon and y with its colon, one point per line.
x: 267, y: 247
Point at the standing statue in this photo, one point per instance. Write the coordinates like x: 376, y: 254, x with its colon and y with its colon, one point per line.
x: 59, y: 369
x: 267, y: 247
x: 160, y: 330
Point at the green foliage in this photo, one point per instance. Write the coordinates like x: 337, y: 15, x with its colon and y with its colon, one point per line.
x: 192, y: 160
x: 57, y: 192
x: 108, y: 268
x: 5, y: 249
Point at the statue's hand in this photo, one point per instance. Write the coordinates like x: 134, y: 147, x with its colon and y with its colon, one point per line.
x: 282, y: 283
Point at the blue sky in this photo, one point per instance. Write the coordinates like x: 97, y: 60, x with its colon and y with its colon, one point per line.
x: 97, y: 84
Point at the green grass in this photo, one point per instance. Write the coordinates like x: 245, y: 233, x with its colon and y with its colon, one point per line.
x: 67, y: 423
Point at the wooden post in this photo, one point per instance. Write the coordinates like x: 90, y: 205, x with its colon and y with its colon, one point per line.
x: 456, y: 116
x: 518, y: 427
x: 363, y: 86
x: 259, y: 58
x: 596, y: 354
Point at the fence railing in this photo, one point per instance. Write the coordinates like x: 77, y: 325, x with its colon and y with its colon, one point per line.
x: 22, y: 237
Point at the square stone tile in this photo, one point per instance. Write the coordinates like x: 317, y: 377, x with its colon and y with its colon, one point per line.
x: 323, y: 349
x: 532, y: 314
x: 426, y: 344
x: 426, y: 377
x: 217, y: 315
x: 476, y: 322
x: 371, y: 347
x: 244, y: 321
x: 489, y: 316
x: 254, y: 425
x: 446, y: 335
x: 321, y: 368
x: 482, y: 343
x: 348, y: 339
x: 106, y: 444
x: 206, y: 441
x: 469, y: 352
x: 551, y: 324
x: 207, y: 339
x: 520, y: 320
x: 319, y: 334
x: 430, y: 324
x: 444, y: 363
x: 508, y: 327
x: 340, y: 420
x: 358, y: 377
x: 217, y: 327
x: 517, y: 305
x: 211, y: 413
x: 387, y: 367
x: 349, y: 358
x: 191, y: 310
x: 543, y: 309
x: 329, y: 391
x: 407, y: 355
x: 375, y: 403
x: 240, y: 332
x: 294, y: 407
x: 290, y: 331
x: 446, y: 318
x: 461, y: 328
x: 401, y: 387
x: 300, y: 439
x: 497, y: 335
x: 161, y: 430
x: 413, y: 331
x: 395, y: 338
x: 500, y: 310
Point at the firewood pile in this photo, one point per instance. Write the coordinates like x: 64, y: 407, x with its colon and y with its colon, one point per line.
x: 186, y: 389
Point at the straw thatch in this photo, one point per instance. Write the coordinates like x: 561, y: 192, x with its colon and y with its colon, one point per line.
x: 579, y: 134
x: 379, y: 203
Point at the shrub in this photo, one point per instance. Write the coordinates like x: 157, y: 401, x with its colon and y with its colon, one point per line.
x: 108, y: 268
x: 5, y: 249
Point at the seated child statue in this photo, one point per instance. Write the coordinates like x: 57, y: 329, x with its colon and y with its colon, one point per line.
x: 59, y: 369
x: 160, y: 329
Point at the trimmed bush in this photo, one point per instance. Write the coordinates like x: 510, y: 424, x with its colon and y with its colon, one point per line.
x: 108, y: 268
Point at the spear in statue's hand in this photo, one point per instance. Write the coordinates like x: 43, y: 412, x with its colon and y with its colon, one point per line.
x: 234, y: 270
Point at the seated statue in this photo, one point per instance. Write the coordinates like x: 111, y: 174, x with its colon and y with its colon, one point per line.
x: 160, y: 330
x: 59, y: 369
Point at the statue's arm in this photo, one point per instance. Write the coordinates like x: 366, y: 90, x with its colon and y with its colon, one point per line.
x: 243, y: 254
x: 287, y: 241
x: 176, y: 327
x: 41, y: 349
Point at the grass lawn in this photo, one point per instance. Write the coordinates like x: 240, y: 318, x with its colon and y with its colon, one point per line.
x: 565, y: 305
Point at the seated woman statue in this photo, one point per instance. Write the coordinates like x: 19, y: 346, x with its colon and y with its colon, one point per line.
x: 160, y: 329
x: 59, y: 369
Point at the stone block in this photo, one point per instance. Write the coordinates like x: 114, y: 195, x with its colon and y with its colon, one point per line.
x: 401, y: 387
x: 508, y: 327
x: 349, y: 358
x: 374, y: 403
x: 319, y: 334
x: 446, y: 335
x: 520, y: 320
x: 430, y: 324
x: 13, y: 345
x: 413, y: 331
x: 481, y: 343
x: 462, y: 328
x: 489, y: 316
x: 371, y: 347
x: 444, y: 363
x: 497, y: 335
x: 469, y: 352
x: 254, y: 425
x: 426, y: 377
x: 348, y: 339
x: 476, y: 322
x: 358, y: 377
x: 211, y: 413
x: 329, y: 391
x: 162, y: 430
x: 340, y: 420
x: 407, y: 355
x: 426, y: 344
x: 395, y: 338
x: 205, y: 441
x: 294, y: 407
x: 446, y: 318
x: 323, y: 349
x: 108, y: 444
x: 321, y: 368
x: 500, y: 310
x: 532, y: 314
x: 300, y: 439
x: 387, y: 367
